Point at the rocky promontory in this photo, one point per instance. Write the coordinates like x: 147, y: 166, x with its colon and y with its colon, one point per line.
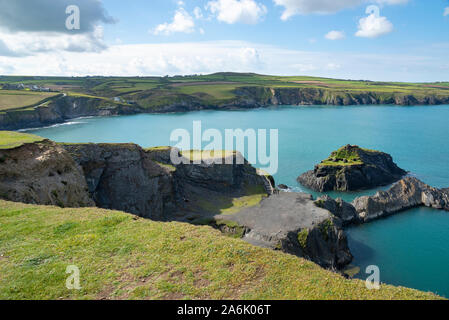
x: 405, y: 194
x: 352, y: 168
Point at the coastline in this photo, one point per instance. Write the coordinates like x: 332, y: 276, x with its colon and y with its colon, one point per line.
x: 63, y: 107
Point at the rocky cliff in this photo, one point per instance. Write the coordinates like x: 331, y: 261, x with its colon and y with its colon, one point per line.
x: 42, y: 173
x: 145, y: 182
x: 59, y: 110
x: 352, y: 168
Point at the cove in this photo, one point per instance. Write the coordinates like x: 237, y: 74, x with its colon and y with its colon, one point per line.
x: 409, y: 248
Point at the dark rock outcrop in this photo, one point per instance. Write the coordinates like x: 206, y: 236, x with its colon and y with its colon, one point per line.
x: 352, y: 168
x: 123, y: 177
x: 341, y: 209
x: 42, y: 173
x: 405, y: 194
x: 291, y: 222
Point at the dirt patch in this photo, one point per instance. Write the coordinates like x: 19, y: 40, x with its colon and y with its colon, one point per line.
x: 173, y: 296
x: 317, y: 83
x: 62, y: 87
x: 436, y: 86
x: 200, y: 281
x: 201, y: 83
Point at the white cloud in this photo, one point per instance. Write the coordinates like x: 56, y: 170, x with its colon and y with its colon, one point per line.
x: 182, y: 22
x: 294, y: 7
x: 238, y: 56
x: 446, y: 11
x: 373, y: 25
x: 31, y: 43
x: 335, y: 35
x: 233, y: 11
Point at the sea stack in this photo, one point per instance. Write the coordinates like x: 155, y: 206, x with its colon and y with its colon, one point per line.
x: 352, y: 168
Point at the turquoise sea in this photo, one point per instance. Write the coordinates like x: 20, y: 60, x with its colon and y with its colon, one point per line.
x: 411, y: 249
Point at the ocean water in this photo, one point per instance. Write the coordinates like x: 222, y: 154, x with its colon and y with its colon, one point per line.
x: 411, y: 249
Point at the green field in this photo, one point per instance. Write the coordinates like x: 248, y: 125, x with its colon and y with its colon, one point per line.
x: 10, y: 139
x: 12, y: 99
x: 124, y: 257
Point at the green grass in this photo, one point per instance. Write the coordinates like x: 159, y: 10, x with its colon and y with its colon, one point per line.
x: 124, y: 257
x: 346, y: 157
x: 11, y: 99
x: 10, y: 140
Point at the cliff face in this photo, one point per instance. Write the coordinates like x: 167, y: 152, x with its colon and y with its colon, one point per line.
x: 352, y: 168
x: 42, y: 173
x: 60, y: 110
x: 123, y: 177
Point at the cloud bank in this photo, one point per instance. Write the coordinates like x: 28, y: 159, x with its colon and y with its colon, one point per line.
x: 238, y: 56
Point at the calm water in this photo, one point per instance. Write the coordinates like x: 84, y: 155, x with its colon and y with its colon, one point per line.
x: 411, y: 249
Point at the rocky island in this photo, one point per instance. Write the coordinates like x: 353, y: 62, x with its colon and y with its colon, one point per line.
x: 352, y: 168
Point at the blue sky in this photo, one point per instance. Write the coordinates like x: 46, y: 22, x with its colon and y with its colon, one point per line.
x: 407, y: 41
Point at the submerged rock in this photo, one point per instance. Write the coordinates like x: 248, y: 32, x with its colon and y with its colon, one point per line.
x: 352, y: 168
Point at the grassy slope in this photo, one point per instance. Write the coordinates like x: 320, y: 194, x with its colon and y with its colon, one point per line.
x: 12, y: 99
x: 9, y: 139
x: 122, y: 257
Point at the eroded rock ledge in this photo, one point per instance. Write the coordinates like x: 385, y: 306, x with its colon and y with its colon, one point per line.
x: 406, y: 194
x: 352, y: 168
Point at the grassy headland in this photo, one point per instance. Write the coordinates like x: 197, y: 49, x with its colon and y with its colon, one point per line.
x: 10, y: 139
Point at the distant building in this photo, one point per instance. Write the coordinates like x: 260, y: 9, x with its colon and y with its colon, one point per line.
x: 10, y: 86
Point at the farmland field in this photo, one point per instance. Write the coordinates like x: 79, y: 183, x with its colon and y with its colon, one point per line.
x: 11, y: 99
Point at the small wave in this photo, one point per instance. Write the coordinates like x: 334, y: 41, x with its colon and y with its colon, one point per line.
x: 69, y: 123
